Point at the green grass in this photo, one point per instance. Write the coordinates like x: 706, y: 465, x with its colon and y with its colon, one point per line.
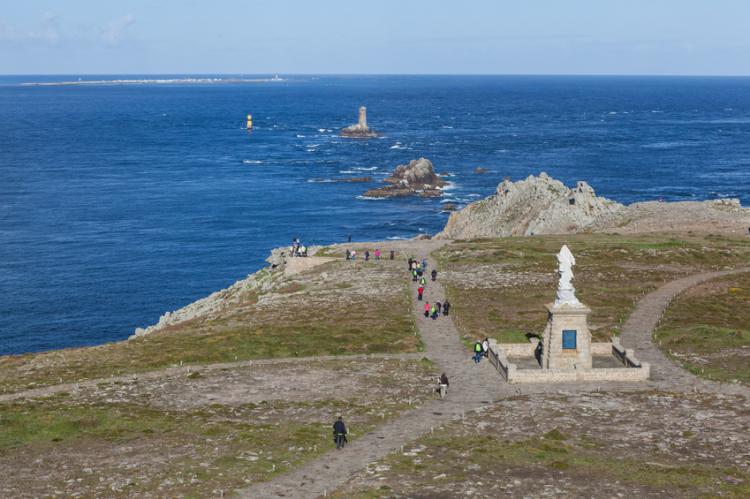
x: 359, y: 324
x: 710, y: 323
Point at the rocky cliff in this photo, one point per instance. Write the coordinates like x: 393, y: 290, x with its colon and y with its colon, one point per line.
x: 543, y: 205
x: 418, y: 177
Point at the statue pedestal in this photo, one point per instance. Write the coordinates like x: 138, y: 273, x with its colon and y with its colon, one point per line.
x: 567, y: 340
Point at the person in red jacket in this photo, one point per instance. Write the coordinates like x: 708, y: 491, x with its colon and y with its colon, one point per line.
x: 420, y: 291
x: 427, y: 309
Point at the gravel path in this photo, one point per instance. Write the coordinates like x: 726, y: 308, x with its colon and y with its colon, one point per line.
x: 472, y: 385
x: 637, y: 333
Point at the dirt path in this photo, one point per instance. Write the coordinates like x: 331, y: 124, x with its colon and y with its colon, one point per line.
x: 187, y: 369
x: 637, y: 333
x: 472, y: 385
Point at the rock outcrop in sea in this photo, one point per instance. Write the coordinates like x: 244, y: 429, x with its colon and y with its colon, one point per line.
x: 359, y: 130
x: 543, y: 205
x: 418, y: 177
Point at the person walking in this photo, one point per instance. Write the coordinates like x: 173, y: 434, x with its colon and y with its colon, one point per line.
x: 486, y: 347
x: 424, y: 263
x: 446, y: 307
x: 393, y: 254
x: 422, y: 281
x: 348, y: 255
x: 339, y: 433
x: 367, y: 255
x: 427, y: 309
x: 354, y: 254
x: 420, y: 291
x: 438, y: 307
x: 410, y: 261
x: 377, y: 254
x: 433, y: 312
x: 414, y: 275
x: 350, y: 238
x: 477, y: 351
x: 434, y: 275
x: 443, y: 385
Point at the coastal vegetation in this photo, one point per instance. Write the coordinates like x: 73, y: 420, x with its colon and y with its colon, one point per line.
x: 499, y: 287
x: 707, y: 329
x: 334, y: 309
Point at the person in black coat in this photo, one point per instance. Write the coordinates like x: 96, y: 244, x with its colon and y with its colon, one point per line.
x: 339, y: 433
x: 434, y: 274
x: 446, y: 307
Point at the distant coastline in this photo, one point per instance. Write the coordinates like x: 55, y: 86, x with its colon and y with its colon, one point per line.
x: 154, y: 81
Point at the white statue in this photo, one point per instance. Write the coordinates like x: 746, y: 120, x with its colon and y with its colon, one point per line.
x: 566, y: 293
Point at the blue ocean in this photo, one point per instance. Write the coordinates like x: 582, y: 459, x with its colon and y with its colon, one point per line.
x: 120, y: 202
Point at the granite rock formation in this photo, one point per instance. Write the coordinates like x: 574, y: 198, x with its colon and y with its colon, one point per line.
x: 418, y: 177
x: 543, y: 205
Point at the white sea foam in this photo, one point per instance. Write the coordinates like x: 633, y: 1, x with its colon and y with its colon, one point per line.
x: 320, y: 181
x: 397, y: 238
x: 300, y: 136
x: 449, y: 187
x: 365, y: 168
x: 397, y: 145
x: 252, y: 161
x: 368, y: 198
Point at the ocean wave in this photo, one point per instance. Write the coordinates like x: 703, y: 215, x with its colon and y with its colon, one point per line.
x: 300, y: 136
x: 449, y: 187
x: 320, y: 181
x: 670, y: 144
x: 447, y: 126
x: 252, y: 161
x: 447, y: 174
x: 368, y: 198
x: 364, y: 168
x: 397, y: 145
x: 397, y: 238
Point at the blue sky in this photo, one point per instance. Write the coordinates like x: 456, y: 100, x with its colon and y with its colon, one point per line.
x: 704, y: 37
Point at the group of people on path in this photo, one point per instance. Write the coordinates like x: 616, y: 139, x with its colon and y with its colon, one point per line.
x: 377, y: 254
x: 297, y: 248
x: 481, y: 349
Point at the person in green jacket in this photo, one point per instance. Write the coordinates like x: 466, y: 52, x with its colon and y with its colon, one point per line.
x: 478, y: 352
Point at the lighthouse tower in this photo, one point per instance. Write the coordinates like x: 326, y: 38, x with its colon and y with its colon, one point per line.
x: 362, y: 117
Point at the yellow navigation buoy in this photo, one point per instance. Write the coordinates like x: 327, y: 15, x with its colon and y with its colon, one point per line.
x: 249, y: 121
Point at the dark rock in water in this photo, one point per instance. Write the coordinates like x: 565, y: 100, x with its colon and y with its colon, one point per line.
x: 479, y: 170
x: 359, y: 130
x: 417, y: 178
x: 449, y: 207
x: 355, y: 180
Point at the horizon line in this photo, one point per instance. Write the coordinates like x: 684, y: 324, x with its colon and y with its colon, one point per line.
x: 640, y: 75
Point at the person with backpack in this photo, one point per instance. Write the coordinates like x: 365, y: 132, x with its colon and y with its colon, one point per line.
x: 414, y: 275
x: 446, y: 307
x: 433, y: 312
x: 420, y: 291
x: 434, y: 275
x: 424, y: 263
x: 427, y: 309
x: 478, y: 351
x: 422, y: 281
x: 339, y: 433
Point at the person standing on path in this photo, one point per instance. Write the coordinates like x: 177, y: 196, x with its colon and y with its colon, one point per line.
x: 426, y: 309
x: 433, y: 312
x: 434, y: 275
x: 339, y: 433
x: 410, y: 261
x: 377, y: 254
x: 478, y: 352
x: 446, y: 307
x: 438, y: 307
x: 420, y: 291
x: 393, y: 254
x: 414, y: 275
x: 367, y: 255
x: 348, y: 255
x: 354, y: 254
x: 443, y: 385
x: 486, y: 347
x: 422, y: 281
x: 424, y: 263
